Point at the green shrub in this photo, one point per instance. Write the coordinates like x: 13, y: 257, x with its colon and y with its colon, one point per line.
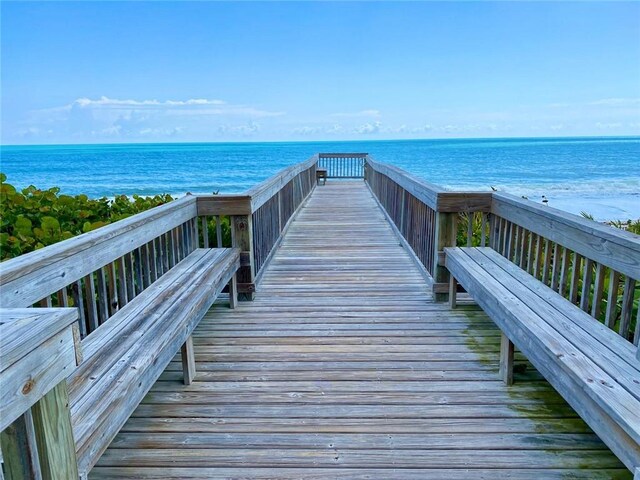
x: 32, y: 218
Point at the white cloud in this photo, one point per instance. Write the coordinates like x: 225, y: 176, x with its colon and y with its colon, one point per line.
x: 334, y: 129
x: 114, y: 102
x: 161, y: 132
x: 112, y: 131
x: 369, y: 128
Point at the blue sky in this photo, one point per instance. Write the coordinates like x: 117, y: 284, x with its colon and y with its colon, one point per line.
x: 96, y: 72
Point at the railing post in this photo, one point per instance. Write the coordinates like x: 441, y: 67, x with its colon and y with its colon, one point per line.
x: 445, y: 235
x: 52, y: 424
x: 242, y: 238
x: 279, y: 211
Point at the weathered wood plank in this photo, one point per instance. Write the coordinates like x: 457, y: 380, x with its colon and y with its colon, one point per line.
x: 612, y: 247
x: 30, y: 277
x: 344, y: 350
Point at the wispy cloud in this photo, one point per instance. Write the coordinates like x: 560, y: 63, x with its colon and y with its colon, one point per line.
x: 108, y: 118
x: 116, y: 103
x: 368, y: 128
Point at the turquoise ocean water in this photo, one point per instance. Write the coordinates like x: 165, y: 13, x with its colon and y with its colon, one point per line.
x: 598, y: 175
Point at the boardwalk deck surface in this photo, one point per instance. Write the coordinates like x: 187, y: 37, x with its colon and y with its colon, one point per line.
x: 344, y: 367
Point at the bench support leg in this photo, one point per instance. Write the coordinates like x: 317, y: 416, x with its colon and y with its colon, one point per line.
x: 188, y: 361
x: 453, y: 286
x: 233, y: 292
x: 506, y: 360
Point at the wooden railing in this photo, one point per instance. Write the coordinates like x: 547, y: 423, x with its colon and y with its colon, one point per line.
x: 101, y: 271
x: 342, y: 165
x: 594, y: 266
x: 425, y: 215
x: 256, y: 220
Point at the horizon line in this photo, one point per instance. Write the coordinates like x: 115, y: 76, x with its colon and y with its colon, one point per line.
x: 214, y: 142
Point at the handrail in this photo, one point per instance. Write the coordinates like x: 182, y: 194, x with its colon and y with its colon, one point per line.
x: 613, y: 247
x: 257, y: 218
x: 263, y: 191
x: 594, y: 266
x: 29, y: 278
x: 432, y: 195
x: 342, y: 165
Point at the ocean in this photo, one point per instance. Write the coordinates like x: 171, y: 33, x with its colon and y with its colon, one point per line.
x: 600, y: 176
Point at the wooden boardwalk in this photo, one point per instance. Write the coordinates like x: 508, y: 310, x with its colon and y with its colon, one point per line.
x: 344, y: 367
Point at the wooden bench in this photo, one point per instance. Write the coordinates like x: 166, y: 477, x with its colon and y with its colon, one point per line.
x: 125, y: 356
x: 593, y: 368
x: 321, y: 174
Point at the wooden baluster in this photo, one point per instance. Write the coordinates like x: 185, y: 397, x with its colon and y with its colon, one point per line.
x: 587, y: 277
x: 537, y: 264
x: 612, y: 299
x: 92, y: 308
x: 137, y: 268
x: 166, y: 252
x: 523, y: 247
x: 530, y: 252
x: 483, y: 229
x: 636, y: 341
x: 196, y: 232
x: 78, y: 301
x: 122, y: 282
x: 131, y: 277
x: 219, y: 231
x: 564, y: 272
x: 546, y: 261
x: 575, y: 278
x: 470, y: 229
x: 146, y: 265
x: 627, y: 307
x: 114, y: 302
x: 153, y: 260
x: 103, y: 298
x: 205, y: 231
x: 555, y: 271
x: 598, y: 287
x: 516, y: 245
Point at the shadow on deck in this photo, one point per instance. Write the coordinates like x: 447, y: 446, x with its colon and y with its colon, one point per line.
x: 344, y: 367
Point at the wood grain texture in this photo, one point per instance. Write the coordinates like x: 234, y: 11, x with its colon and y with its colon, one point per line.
x: 125, y: 356
x: 344, y: 367
x: 27, y: 279
x: 612, y: 247
x: 586, y: 362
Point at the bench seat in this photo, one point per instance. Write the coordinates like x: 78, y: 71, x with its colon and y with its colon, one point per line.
x: 124, y: 357
x: 593, y: 368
